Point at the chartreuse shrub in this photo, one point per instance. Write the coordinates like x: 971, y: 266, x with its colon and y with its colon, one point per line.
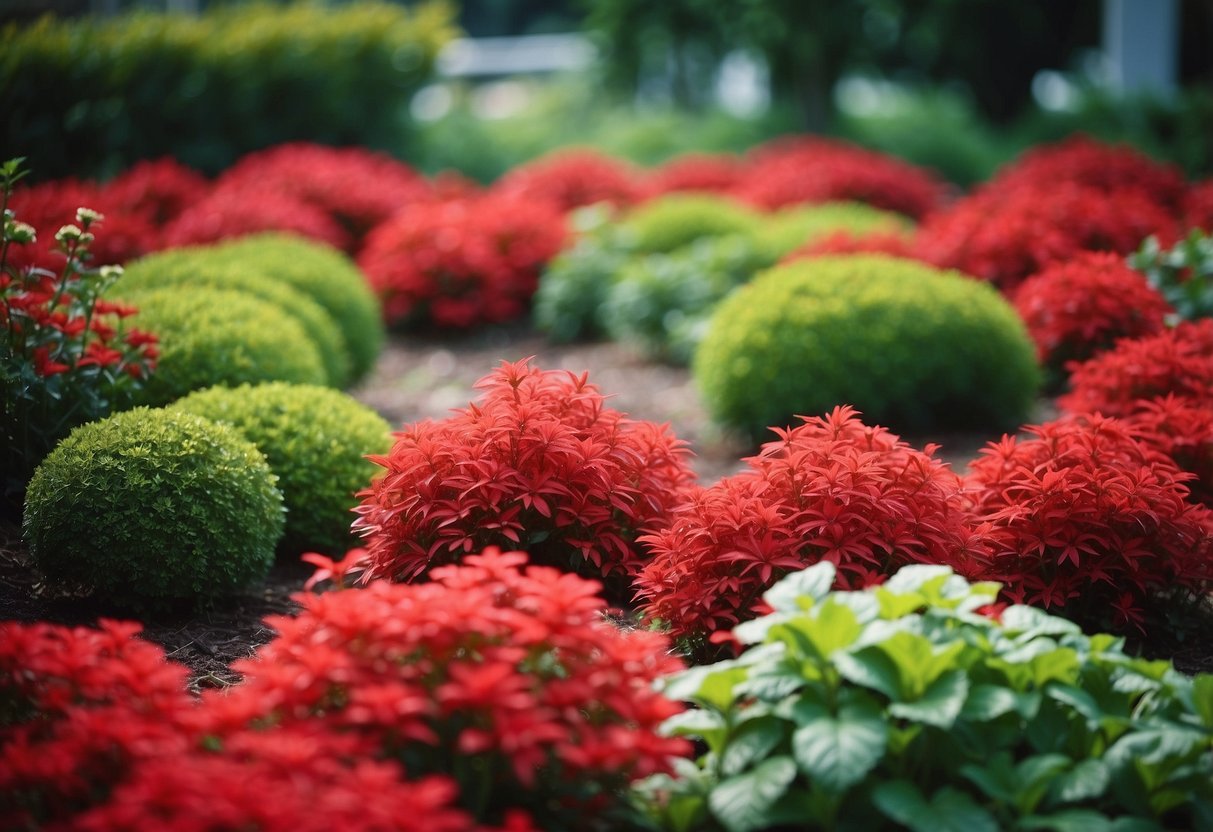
x: 316, y: 440
x: 149, y: 506
x: 91, y: 94
x: 219, y: 336
x: 791, y: 228
x: 906, y: 344
x: 916, y: 705
x: 192, y: 267
x: 673, y: 221
x: 326, y: 276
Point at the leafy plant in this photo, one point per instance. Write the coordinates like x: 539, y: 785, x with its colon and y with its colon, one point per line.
x: 909, y: 346
x: 316, y: 441
x: 221, y: 336
x: 148, y: 507
x: 1183, y: 273
x: 922, y: 704
x: 66, y: 355
x: 673, y: 221
x: 539, y: 462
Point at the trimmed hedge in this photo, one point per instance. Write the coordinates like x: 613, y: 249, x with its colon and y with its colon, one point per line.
x: 910, y: 346
x: 148, y: 506
x: 90, y: 96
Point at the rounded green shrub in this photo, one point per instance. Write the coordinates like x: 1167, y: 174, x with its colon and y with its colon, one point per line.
x: 674, y: 221
x: 220, y: 336
x: 789, y: 229
x: 148, y: 506
x: 911, y: 347
x: 574, y: 285
x: 661, y: 303
x: 326, y: 276
x: 316, y: 440
x: 192, y: 267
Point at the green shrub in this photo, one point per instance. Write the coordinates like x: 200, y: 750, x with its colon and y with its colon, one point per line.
x: 148, y: 506
x: 219, y: 336
x: 326, y: 276
x: 671, y: 222
x: 904, y: 707
x: 1183, y: 274
x: 661, y: 303
x: 191, y: 267
x: 575, y: 283
x: 93, y: 95
x: 911, y: 347
x: 316, y: 441
x: 791, y: 228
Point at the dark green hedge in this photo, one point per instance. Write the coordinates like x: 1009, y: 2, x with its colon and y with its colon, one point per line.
x: 92, y: 96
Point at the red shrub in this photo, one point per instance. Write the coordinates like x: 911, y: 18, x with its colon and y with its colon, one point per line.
x: 539, y: 463
x: 711, y: 172
x: 1004, y: 235
x: 1106, y: 167
x: 156, y: 190
x: 462, y: 262
x: 51, y: 205
x: 77, y: 708
x: 355, y: 187
x: 1087, y: 521
x: 506, y: 676
x: 846, y: 242
x: 816, y: 170
x: 1077, y: 308
x: 1198, y: 207
x: 1176, y: 361
x: 571, y: 178
x: 830, y: 489
x: 228, y: 213
x: 1183, y: 430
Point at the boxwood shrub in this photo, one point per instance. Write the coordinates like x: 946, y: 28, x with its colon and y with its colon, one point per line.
x: 192, y: 267
x: 792, y: 228
x: 316, y: 440
x: 911, y: 347
x: 219, y: 336
x: 149, y: 506
x: 673, y: 221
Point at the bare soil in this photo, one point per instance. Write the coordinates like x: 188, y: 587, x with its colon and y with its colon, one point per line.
x: 425, y: 377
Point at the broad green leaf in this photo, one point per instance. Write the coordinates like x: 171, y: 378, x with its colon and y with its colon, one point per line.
x: 750, y: 742
x: 987, y: 702
x: 772, y: 684
x: 939, y: 704
x: 1086, y: 781
x: 1030, y: 622
x: 996, y: 777
x: 799, y: 590
x: 755, y: 631
x: 1078, y: 699
x: 948, y: 811
x: 1068, y: 820
x: 741, y: 803
x: 711, y: 685
x: 835, y: 626
x: 871, y: 668
x: 1202, y: 698
x: 898, y: 604
x: 836, y: 752
x: 1058, y: 665
x: 696, y: 722
x: 915, y: 576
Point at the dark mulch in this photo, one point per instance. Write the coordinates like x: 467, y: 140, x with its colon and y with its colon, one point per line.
x: 420, y: 377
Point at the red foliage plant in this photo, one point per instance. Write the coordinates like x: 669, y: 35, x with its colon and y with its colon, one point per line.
x: 569, y: 179
x: 462, y: 262
x: 1076, y: 308
x: 50, y: 205
x: 158, y: 190
x: 228, y: 212
x: 1198, y: 207
x: 1106, y: 167
x: 503, y: 674
x: 710, y: 172
x: 1006, y: 234
x: 846, y: 242
x: 1176, y: 361
x: 355, y: 187
x: 830, y: 489
x: 814, y: 170
x: 539, y: 463
x: 1089, y: 522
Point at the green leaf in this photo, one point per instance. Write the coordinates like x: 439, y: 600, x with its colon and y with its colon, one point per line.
x: 987, y: 702
x: 836, y: 752
x: 1202, y: 698
x: 1086, y: 781
x: 1068, y: 820
x: 799, y: 590
x: 916, y: 576
x: 1078, y: 699
x: 894, y: 605
x: 940, y: 704
x: 871, y: 668
x: 696, y: 722
x: 948, y: 811
x: 752, y: 740
x: 741, y: 803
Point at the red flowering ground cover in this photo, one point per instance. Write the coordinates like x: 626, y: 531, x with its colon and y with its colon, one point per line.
x: 569, y: 179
